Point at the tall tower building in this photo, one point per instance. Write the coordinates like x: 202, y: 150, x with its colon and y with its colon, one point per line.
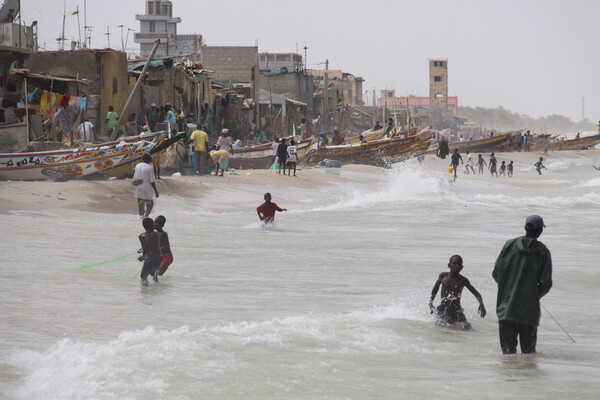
x: 158, y: 23
x: 438, y: 85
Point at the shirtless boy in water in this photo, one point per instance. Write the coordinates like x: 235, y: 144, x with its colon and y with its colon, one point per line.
x: 165, y: 246
x: 449, y: 311
x: 151, y: 254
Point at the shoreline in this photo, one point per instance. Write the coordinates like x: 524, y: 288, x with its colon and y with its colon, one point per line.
x: 237, y: 188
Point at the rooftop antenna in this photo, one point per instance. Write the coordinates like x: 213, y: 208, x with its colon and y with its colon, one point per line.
x: 62, y: 36
x: 76, y: 12
x: 122, y: 43
x: 88, y: 35
x: 84, y: 22
x: 108, y: 35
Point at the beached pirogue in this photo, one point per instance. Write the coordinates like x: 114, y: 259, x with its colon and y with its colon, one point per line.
x: 78, y: 162
x: 380, y: 152
x: 261, y: 156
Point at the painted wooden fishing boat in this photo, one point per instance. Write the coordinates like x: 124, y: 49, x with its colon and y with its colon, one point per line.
x: 382, y: 152
x: 582, y: 143
x: 69, y: 163
x: 261, y: 156
x: 493, y: 143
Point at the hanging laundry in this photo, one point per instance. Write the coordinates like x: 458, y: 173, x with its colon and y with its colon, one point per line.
x: 65, y: 101
x: 83, y: 103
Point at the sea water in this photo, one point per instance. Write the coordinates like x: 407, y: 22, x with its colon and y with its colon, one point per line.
x: 330, y: 303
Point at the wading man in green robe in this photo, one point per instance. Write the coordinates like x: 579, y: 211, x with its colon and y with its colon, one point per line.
x: 523, y: 272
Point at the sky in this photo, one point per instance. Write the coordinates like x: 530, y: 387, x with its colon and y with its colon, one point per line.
x: 534, y: 57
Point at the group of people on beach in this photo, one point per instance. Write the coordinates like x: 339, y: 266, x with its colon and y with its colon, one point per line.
x: 523, y: 272
x: 284, y: 155
x: 492, y: 166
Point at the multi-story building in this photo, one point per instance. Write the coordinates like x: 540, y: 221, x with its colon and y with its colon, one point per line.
x: 438, y: 100
x: 275, y: 61
x: 158, y: 23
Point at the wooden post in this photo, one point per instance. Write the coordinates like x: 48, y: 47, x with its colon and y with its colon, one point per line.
x: 123, y: 117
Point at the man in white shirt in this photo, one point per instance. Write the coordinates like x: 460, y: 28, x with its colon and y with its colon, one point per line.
x: 145, y: 172
x: 86, y: 131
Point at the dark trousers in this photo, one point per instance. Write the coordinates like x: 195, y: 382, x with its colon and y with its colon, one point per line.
x: 145, y: 204
x: 201, y: 162
x: 151, y: 264
x: 510, y: 330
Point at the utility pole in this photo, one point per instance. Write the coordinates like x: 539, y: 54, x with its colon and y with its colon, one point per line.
x: 84, y: 23
x: 325, y: 95
x: 108, y: 36
x: 374, y: 106
x: 305, y: 48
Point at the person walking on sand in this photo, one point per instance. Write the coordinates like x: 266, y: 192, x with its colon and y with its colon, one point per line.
x: 165, y: 246
x: 523, y: 271
x: 200, y: 139
x: 469, y: 163
x: 274, y: 147
x: 454, y: 161
x: 292, y: 157
x: 493, y: 163
x: 282, y: 155
x: 539, y: 165
x: 449, y: 311
x: 480, y: 163
x: 266, y: 211
x: 150, y: 251
x: 144, y: 176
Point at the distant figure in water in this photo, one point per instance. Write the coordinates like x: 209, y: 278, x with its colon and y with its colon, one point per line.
x: 165, y: 246
x: 509, y: 169
x: 469, y: 163
x: 503, y: 168
x: 266, y: 211
x: 454, y: 161
x: 539, y: 165
x: 449, y: 311
x: 480, y: 163
x: 151, y: 254
x: 493, y: 163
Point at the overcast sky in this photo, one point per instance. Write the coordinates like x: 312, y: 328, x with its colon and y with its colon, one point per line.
x: 535, y: 57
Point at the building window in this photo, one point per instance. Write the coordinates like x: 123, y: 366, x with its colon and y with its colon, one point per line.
x: 150, y: 8
x: 152, y: 26
x: 437, y: 78
x: 115, y: 86
x: 389, y: 94
x: 165, y: 9
x: 270, y: 57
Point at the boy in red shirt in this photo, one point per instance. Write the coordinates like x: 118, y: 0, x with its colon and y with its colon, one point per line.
x: 268, y: 210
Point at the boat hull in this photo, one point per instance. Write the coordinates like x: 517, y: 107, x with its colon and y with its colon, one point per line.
x: 67, y: 164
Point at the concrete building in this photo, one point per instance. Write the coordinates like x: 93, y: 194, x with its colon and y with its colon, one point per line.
x: 389, y: 100
x: 103, y: 71
x: 276, y: 61
x: 158, y: 23
x: 235, y: 69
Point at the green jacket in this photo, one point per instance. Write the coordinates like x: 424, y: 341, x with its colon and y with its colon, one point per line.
x: 523, y: 272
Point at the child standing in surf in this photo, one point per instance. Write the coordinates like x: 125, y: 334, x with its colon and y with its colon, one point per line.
x: 151, y: 254
x: 449, y: 311
x: 165, y: 246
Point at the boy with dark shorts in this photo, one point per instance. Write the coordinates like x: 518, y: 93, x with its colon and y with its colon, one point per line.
x: 539, y: 165
x: 165, y: 246
x: 493, y: 163
x: 509, y: 168
x: 454, y: 163
x: 151, y: 254
x: 449, y: 311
